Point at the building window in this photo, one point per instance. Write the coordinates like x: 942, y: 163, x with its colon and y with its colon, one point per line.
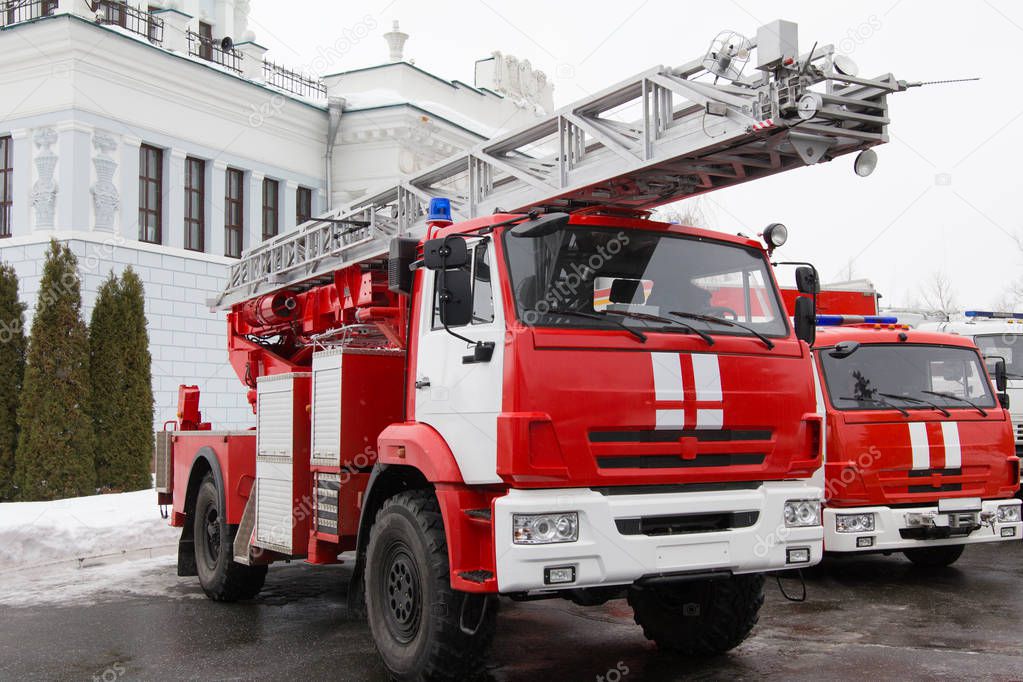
x: 18, y: 11
x: 303, y: 205
x: 206, y: 41
x: 6, y: 186
x: 195, y: 204
x: 234, y: 223
x: 115, y: 13
x: 154, y: 32
x: 270, y: 213
x: 150, y: 194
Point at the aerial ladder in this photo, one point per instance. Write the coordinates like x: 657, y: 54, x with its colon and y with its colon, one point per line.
x: 661, y: 136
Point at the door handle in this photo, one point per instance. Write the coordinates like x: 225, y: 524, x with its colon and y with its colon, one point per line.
x: 423, y: 383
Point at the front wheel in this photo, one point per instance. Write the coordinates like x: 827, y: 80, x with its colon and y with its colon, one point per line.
x: 699, y: 618
x: 423, y: 629
x: 935, y: 557
x: 221, y: 577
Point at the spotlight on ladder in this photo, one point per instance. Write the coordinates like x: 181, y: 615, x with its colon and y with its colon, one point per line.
x: 866, y: 162
x: 727, y: 55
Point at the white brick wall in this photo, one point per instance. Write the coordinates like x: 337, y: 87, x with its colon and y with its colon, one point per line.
x: 187, y: 342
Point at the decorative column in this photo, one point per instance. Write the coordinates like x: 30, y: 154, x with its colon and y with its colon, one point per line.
x: 252, y: 60
x: 106, y: 200
x: 130, y: 187
x: 175, y: 29
x: 44, y: 191
x: 289, y: 205
x: 174, y: 200
x: 254, y: 211
x: 217, y: 189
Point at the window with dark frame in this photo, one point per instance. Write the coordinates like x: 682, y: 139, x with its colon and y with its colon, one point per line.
x: 23, y: 11
x: 195, y: 204
x: 150, y: 194
x: 154, y: 32
x: 206, y: 40
x: 116, y: 13
x: 270, y: 213
x: 6, y: 186
x: 303, y: 205
x: 233, y: 216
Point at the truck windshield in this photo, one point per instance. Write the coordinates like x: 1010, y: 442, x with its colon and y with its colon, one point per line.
x: 1006, y: 346
x: 652, y: 281
x: 906, y: 377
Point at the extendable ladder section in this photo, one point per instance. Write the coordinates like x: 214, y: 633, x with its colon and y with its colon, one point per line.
x: 660, y: 136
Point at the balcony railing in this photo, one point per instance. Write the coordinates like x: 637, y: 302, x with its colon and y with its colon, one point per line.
x: 292, y: 81
x: 211, y: 51
x: 18, y: 11
x: 133, y: 19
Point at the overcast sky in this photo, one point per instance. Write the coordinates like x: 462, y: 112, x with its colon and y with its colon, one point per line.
x: 946, y: 196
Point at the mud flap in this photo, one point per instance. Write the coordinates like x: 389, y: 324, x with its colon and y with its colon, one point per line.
x: 186, y: 552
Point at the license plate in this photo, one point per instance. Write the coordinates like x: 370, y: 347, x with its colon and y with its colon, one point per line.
x: 959, y: 504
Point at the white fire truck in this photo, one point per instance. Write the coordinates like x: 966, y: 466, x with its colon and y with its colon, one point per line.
x: 532, y: 389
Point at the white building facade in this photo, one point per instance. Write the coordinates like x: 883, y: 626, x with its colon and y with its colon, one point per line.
x: 140, y: 137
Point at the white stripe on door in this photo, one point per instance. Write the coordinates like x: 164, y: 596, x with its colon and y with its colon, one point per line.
x: 921, y: 448
x: 667, y: 376
x: 671, y: 419
x: 953, y: 451
x: 707, y: 377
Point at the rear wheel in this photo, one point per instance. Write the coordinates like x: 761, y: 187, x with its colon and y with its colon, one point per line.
x: 699, y: 618
x: 423, y: 629
x: 935, y: 557
x: 222, y: 578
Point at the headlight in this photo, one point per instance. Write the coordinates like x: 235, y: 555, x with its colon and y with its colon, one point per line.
x: 1008, y: 513
x: 854, y: 523
x: 802, y: 513
x: 544, y: 529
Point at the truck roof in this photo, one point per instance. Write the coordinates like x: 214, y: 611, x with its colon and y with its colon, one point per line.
x: 595, y: 217
x: 976, y: 326
x: 829, y: 336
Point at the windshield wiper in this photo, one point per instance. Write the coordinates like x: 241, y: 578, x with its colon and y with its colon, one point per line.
x: 729, y: 323
x: 649, y: 317
x: 877, y: 401
x: 598, y: 316
x: 921, y: 401
x: 952, y: 396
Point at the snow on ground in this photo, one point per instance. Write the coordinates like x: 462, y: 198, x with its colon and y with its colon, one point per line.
x: 34, y: 534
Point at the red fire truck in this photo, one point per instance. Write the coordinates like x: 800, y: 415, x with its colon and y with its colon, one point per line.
x: 920, y: 456
x: 533, y: 390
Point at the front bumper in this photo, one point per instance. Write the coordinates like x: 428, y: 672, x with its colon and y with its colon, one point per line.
x: 889, y: 522
x: 604, y: 555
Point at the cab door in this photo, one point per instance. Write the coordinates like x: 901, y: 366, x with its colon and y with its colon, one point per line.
x: 460, y: 399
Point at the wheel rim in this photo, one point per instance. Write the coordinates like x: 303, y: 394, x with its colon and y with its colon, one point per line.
x: 211, y: 536
x: 401, y: 593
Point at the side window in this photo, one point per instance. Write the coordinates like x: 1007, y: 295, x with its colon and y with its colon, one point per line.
x: 482, y: 289
x: 482, y: 292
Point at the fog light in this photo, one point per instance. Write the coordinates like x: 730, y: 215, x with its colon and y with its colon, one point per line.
x: 558, y: 575
x: 865, y: 542
x: 800, y: 513
x: 854, y: 523
x: 1008, y: 532
x: 545, y: 529
x: 797, y: 555
x: 1008, y: 513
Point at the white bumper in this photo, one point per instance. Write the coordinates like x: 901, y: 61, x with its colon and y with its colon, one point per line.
x: 604, y: 556
x: 888, y: 523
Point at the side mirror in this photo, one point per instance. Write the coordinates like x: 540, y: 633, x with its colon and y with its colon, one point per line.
x: 399, y: 265
x: 1001, y: 376
x: 445, y: 253
x: 806, y: 320
x: 806, y: 281
x: 1003, y: 400
x: 541, y: 226
x: 455, y: 299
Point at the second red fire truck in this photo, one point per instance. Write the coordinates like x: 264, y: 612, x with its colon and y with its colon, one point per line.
x: 919, y: 453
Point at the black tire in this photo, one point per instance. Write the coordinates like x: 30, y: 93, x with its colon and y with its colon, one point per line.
x: 414, y: 614
x: 222, y: 578
x: 935, y: 557
x: 699, y: 618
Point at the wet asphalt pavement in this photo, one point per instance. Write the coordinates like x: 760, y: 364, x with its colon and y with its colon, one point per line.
x: 872, y: 617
